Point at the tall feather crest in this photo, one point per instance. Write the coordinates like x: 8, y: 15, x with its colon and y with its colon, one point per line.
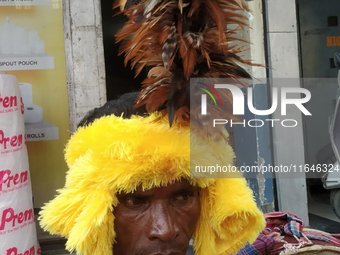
x: 178, y: 40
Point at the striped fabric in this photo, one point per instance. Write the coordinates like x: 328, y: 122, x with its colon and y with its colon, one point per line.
x: 286, y: 224
x: 262, y: 245
x: 322, y: 237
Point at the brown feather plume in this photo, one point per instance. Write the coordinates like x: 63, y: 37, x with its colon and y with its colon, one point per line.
x: 179, y: 40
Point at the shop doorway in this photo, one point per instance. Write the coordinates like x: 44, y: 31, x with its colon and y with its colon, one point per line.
x: 319, y: 40
x: 120, y: 79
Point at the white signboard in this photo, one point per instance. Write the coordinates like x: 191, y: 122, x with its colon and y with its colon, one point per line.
x: 24, y: 2
x: 14, y: 63
x: 22, y: 49
x: 41, y: 131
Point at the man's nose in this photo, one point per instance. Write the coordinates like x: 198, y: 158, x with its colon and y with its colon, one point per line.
x: 163, y: 223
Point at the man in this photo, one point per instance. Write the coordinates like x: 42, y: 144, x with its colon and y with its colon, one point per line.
x: 159, y: 220
x: 129, y: 192
x: 129, y: 189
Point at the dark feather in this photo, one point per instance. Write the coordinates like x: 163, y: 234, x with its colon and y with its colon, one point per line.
x: 177, y: 94
x: 178, y: 40
x: 129, y: 3
x: 169, y: 47
x: 149, y: 6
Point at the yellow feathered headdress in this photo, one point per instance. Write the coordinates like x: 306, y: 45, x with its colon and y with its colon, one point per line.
x: 115, y: 154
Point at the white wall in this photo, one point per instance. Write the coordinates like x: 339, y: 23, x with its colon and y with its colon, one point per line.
x: 283, y: 51
x: 256, y: 36
x: 84, y: 57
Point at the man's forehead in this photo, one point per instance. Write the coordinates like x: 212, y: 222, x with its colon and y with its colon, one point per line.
x: 170, y: 187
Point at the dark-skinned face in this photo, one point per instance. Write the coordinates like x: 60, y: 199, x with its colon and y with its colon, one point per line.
x: 159, y: 221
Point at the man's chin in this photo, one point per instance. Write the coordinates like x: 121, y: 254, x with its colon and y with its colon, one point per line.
x: 155, y: 251
x: 169, y: 253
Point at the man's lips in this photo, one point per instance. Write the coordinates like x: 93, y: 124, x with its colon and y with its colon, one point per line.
x: 168, y: 253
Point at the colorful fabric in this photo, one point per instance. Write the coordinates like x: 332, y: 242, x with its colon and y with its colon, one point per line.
x: 316, y: 235
x: 285, y: 230
x: 248, y: 250
x: 262, y: 245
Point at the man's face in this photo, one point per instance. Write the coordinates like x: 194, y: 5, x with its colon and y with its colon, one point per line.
x: 159, y: 221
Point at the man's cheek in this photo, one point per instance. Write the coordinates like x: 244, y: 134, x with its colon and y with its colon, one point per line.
x: 125, y: 236
x: 194, y: 214
x: 187, y: 220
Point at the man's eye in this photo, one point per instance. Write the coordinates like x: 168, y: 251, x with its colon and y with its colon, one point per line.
x: 135, y: 201
x: 183, y: 197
